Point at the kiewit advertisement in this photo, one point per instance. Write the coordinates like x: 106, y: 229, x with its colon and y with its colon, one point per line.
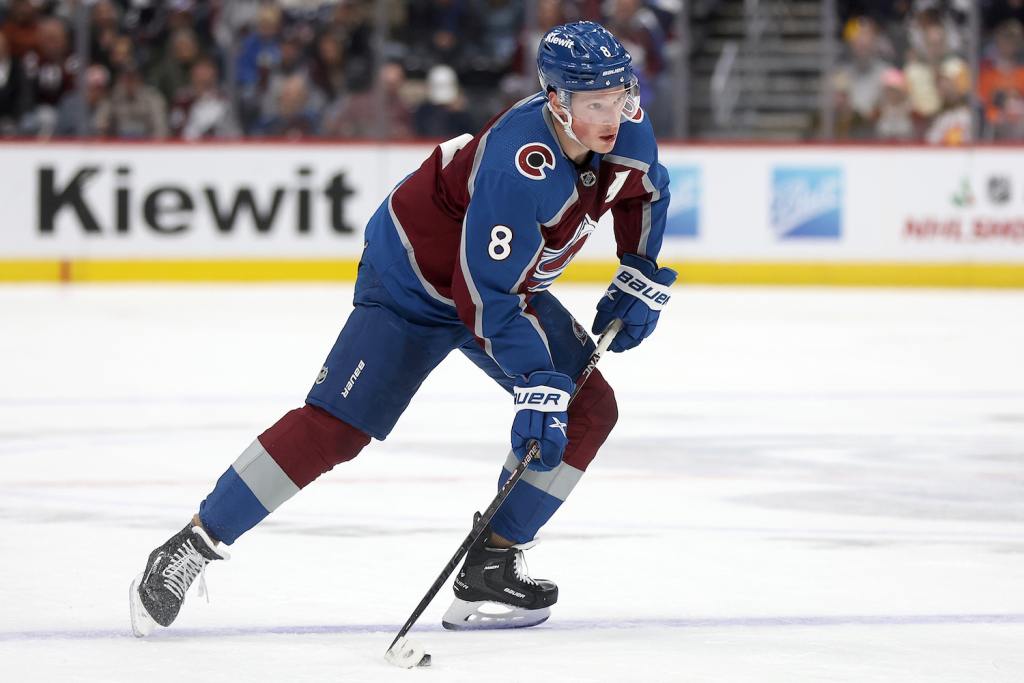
x: 204, y: 201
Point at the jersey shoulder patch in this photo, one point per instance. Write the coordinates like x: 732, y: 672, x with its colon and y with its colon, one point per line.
x: 533, y: 158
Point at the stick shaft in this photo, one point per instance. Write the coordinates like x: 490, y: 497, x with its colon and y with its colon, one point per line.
x: 480, y: 521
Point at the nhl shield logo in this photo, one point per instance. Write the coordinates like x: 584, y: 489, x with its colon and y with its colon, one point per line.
x: 588, y: 179
x: 322, y: 376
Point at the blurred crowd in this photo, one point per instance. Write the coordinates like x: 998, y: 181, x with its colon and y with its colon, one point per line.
x: 222, y: 69
x: 906, y: 75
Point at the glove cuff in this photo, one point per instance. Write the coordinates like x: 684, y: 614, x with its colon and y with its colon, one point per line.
x: 541, y: 398
x: 637, y: 284
x: 546, y: 392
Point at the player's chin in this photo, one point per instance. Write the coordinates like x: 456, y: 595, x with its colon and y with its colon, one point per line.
x: 605, y: 143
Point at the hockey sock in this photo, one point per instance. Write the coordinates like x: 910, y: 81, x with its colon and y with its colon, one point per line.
x: 301, y: 446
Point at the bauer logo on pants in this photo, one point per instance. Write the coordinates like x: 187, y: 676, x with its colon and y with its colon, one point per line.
x: 807, y: 202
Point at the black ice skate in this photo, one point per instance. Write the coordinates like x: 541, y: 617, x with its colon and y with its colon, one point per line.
x: 494, y: 590
x: 157, y: 593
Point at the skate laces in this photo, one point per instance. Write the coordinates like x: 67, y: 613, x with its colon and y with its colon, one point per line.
x: 520, y: 568
x: 185, y: 565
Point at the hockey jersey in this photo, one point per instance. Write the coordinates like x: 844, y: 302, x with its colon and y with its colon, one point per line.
x: 489, y: 220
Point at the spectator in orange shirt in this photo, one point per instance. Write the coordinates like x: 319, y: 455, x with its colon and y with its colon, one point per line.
x: 20, y: 27
x: 1001, y: 81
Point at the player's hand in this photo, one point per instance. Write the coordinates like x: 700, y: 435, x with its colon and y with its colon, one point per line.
x: 542, y: 404
x: 636, y: 296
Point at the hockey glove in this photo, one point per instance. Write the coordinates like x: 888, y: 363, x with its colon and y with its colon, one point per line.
x: 636, y: 296
x: 542, y: 404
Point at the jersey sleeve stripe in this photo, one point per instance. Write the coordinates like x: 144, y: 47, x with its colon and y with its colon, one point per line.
x: 573, y: 198
x: 645, y: 220
x: 522, y: 299
x: 474, y: 293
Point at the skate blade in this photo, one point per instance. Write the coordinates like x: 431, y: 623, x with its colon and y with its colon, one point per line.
x: 142, y: 623
x: 471, y: 616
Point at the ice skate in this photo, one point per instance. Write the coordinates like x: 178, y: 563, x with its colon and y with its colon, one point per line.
x: 156, y: 595
x: 494, y: 590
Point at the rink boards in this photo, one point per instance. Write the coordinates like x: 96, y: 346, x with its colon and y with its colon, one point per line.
x: 739, y: 214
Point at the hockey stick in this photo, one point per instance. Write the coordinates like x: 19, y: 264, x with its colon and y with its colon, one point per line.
x: 403, y: 652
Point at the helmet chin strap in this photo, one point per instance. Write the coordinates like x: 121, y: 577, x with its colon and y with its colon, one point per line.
x: 566, y: 122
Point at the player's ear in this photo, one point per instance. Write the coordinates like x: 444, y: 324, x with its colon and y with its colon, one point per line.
x: 553, y: 101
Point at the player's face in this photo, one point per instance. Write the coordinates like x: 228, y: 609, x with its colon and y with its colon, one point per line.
x: 596, y: 116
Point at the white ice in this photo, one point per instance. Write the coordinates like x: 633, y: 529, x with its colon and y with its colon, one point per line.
x: 804, y: 485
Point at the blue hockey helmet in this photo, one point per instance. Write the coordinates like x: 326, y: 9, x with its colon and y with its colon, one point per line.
x: 582, y: 57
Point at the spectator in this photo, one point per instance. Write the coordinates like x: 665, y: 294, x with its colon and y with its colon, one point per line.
x: 133, y: 110
x: 20, y: 27
x: 995, y: 12
x: 73, y: 110
x: 922, y: 74
x: 259, y: 55
x: 928, y: 13
x: 849, y: 124
x: 953, y: 125
x: 122, y: 55
x: 293, y: 61
x: 444, y: 113
x: 12, y: 90
x: 105, y: 25
x: 50, y: 74
x: 261, y: 51
x: 293, y: 118
x: 327, y: 68
x: 1011, y: 125
x: 381, y: 113
x: 894, y: 115
x: 1001, y: 81
x: 501, y: 24
x: 862, y: 74
x: 438, y: 32
x: 350, y: 24
x: 173, y: 71
x: 202, y: 111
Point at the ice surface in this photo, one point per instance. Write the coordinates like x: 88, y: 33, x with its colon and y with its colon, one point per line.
x: 804, y: 485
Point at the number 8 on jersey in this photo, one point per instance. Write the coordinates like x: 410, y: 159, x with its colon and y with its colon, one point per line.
x: 501, y: 242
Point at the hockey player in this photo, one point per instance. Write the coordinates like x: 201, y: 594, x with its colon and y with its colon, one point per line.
x: 460, y: 255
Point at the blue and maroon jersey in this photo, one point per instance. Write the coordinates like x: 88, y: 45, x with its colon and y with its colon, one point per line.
x: 489, y: 220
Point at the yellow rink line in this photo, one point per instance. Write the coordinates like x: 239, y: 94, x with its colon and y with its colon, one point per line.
x: 694, y: 272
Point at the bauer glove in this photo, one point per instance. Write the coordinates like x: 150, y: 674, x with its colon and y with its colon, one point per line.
x: 542, y: 404
x: 636, y: 296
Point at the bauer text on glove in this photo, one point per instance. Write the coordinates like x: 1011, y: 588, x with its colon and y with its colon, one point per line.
x: 639, y: 290
x: 542, y: 405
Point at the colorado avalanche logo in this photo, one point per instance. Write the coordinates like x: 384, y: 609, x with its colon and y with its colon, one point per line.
x: 532, y: 158
x: 553, y: 261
